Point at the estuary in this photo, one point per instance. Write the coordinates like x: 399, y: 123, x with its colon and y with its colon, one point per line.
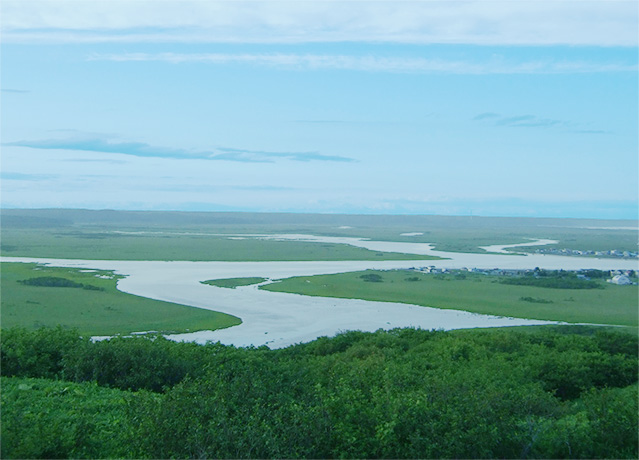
x: 281, y: 319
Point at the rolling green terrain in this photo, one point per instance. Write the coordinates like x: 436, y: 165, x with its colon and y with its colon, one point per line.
x: 232, y: 283
x: 477, y: 293
x: 94, y: 306
x: 560, y: 392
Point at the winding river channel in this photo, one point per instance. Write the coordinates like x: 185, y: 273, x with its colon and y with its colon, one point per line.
x: 280, y: 319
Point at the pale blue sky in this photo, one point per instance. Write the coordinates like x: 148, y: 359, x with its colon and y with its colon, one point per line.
x: 523, y: 108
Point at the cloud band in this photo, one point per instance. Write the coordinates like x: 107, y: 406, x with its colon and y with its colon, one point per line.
x: 139, y: 149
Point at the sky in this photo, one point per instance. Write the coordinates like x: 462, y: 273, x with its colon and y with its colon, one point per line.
x: 481, y: 107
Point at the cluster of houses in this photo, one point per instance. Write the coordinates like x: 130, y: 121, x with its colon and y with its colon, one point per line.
x: 620, y: 277
x: 574, y: 252
x: 483, y: 271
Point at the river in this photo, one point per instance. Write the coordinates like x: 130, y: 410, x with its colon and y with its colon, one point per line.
x: 280, y: 319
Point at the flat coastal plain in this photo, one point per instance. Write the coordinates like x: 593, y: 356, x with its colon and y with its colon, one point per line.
x: 279, y: 319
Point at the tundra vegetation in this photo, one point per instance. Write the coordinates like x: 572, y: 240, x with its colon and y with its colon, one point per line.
x: 232, y: 283
x: 544, y: 392
x: 553, y: 392
x: 35, y: 295
x: 556, y: 296
x: 128, y: 235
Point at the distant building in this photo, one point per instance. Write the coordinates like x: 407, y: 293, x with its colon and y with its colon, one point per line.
x: 621, y: 280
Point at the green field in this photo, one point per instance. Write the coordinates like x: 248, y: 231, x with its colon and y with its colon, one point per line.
x: 83, y: 234
x: 232, y: 283
x: 102, y: 310
x: 100, y: 245
x: 118, y: 235
x: 477, y: 293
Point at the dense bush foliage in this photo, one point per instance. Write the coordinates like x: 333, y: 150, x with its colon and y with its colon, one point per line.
x: 56, y: 281
x: 50, y: 281
x: 126, y: 363
x: 57, y: 419
x: 372, y: 278
x: 561, y: 280
x: 535, y: 300
x: 405, y: 393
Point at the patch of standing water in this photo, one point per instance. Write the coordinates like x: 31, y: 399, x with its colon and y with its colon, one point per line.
x: 421, y: 249
x: 501, y: 248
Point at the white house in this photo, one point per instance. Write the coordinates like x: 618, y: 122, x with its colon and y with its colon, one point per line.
x: 622, y: 280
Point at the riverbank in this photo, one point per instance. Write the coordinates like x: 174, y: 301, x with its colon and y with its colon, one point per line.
x: 278, y: 319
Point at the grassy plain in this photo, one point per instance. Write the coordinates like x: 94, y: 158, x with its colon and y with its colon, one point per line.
x: 197, y: 236
x: 116, y: 235
x: 477, y: 293
x: 101, y: 245
x: 232, y: 283
x: 94, y: 312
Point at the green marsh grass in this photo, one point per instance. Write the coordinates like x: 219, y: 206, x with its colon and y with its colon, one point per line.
x: 232, y: 283
x: 104, y: 311
x: 99, y: 245
x: 67, y: 233
x: 613, y: 305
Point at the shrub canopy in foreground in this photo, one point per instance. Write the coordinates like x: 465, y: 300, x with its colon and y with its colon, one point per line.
x: 530, y: 393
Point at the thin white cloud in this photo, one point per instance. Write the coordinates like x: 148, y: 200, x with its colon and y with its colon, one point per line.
x: 482, y: 22
x: 520, y: 121
x: 374, y: 63
x: 532, y: 121
x: 140, y: 149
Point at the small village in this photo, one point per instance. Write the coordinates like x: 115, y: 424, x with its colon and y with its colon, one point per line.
x: 618, y: 277
x: 574, y: 252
